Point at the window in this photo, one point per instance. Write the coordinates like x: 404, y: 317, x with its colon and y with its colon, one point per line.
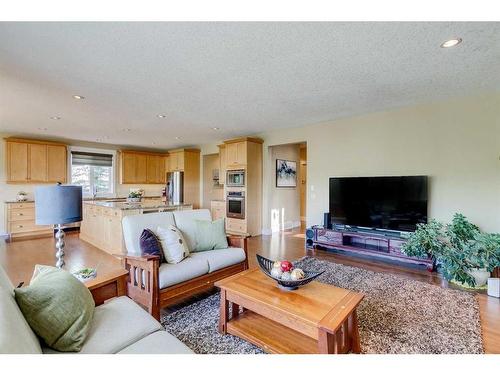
x: 93, y: 171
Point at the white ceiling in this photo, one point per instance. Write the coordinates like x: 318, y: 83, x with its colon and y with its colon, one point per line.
x: 241, y: 77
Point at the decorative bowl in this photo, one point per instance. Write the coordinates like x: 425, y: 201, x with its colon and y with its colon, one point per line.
x: 266, y: 266
x: 134, y: 200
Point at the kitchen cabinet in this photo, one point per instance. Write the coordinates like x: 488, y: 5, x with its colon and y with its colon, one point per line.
x: 176, y: 162
x: 236, y: 153
x: 142, y: 168
x: 56, y: 163
x: 20, y: 219
x: 33, y: 161
x: 245, y: 154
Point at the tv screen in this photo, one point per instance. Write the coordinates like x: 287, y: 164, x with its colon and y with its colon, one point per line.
x: 395, y: 203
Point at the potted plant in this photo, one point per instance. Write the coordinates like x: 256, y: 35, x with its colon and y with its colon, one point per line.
x: 465, y: 255
x: 134, y: 196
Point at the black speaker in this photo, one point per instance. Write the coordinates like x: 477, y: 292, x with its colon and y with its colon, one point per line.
x: 327, y: 220
x: 309, y: 238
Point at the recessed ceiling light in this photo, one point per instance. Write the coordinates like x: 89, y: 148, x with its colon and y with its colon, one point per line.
x: 177, y: 138
x: 78, y: 97
x: 216, y: 128
x: 55, y: 118
x: 42, y: 129
x: 126, y: 130
x: 162, y: 116
x: 451, y: 43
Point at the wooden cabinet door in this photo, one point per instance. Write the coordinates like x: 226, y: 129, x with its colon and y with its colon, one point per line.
x: 231, y: 153
x: 174, y: 161
x: 37, y: 162
x: 167, y: 163
x: 142, y: 166
x: 241, y: 153
x: 17, y: 162
x: 56, y: 163
x: 115, y: 240
x: 180, y: 161
x: 161, y: 170
x: 222, y: 165
x: 152, y: 169
x: 128, y: 168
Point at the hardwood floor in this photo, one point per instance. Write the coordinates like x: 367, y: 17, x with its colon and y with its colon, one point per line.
x: 286, y: 245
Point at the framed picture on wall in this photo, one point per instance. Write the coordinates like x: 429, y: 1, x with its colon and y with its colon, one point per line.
x: 286, y: 173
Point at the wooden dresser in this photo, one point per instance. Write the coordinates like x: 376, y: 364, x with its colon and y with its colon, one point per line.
x: 20, y: 219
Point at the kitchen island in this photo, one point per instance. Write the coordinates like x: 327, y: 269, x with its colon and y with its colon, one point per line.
x: 102, y: 220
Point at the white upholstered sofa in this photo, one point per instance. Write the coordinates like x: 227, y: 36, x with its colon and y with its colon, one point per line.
x: 156, y: 285
x: 119, y: 326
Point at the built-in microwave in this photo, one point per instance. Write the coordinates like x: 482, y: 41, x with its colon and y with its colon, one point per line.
x: 235, y: 178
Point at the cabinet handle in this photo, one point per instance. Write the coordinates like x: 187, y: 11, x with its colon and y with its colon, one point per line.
x: 21, y: 214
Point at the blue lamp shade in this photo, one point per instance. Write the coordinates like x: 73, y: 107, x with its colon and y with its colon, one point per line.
x: 58, y: 204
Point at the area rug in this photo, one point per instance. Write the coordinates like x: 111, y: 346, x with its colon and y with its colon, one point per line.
x: 397, y: 315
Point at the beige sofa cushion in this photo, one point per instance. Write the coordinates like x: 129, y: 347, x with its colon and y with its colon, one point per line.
x: 16, y: 336
x: 160, y: 342
x: 185, y: 221
x: 117, y: 324
x: 222, y: 258
x: 189, y: 268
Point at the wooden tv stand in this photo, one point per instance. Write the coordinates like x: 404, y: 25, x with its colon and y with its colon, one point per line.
x: 381, y: 245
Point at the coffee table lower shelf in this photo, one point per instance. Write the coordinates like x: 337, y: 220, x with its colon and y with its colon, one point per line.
x: 270, y: 336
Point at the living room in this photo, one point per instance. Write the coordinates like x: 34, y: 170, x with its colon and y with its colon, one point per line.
x: 248, y: 188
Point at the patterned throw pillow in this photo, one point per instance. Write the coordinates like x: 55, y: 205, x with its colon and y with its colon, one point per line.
x: 174, y: 246
x: 150, y: 244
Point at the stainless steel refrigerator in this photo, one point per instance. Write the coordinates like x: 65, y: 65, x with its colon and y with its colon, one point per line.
x: 175, y: 187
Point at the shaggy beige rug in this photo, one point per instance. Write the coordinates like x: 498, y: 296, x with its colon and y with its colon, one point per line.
x: 397, y: 315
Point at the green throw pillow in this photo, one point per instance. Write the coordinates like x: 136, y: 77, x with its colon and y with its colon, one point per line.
x: 58, y: 308
x: 210, y: 235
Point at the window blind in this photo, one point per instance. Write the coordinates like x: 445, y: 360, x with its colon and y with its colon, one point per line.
x: 89, y: 158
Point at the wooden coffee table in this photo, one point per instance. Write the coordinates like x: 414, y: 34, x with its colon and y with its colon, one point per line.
x: 316, y: 318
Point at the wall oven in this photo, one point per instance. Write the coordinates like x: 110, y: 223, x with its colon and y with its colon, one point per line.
x: 235, y: 204
x: 235, y: 178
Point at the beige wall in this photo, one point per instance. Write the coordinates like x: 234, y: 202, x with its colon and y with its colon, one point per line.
x: 456, y: 143
x: 8, y: 191
x: 210, y: 192
x: 284, y: 210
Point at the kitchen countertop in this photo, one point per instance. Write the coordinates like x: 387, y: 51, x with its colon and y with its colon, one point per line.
x: 151, y: 204
x: 89, y: 199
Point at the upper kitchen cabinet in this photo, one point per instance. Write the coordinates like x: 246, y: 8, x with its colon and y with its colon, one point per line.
x: 236, y: 152
x: 137, y: 167
x: 183, y: 159
x: 33, y: 161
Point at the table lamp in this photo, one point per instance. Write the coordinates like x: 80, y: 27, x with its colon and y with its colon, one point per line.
x: 58, y: 205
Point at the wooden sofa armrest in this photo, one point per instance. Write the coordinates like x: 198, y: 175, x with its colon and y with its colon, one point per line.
x: 241, y: 242
x: 142, y: 283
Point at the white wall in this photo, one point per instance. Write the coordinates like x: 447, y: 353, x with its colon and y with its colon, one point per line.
x: 456, y: 143
x: 284, y: 203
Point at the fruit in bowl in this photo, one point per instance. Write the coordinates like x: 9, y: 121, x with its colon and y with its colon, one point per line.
x: 297, y: 274
x: 276, y: 272
x: 285, y: 274
x: 286, y: 266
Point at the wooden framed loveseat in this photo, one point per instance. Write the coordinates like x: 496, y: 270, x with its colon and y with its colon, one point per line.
x: 156, y: 285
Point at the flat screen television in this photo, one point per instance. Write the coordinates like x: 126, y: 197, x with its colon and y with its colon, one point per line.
x: 393, y: 203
